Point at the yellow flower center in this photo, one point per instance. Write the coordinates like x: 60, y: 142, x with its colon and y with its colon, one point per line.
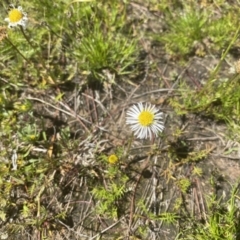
x: 15, y: 15
x: 112, y: 159
x: 146, y: 118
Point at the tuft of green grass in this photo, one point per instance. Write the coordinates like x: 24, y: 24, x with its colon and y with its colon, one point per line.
x: 191, y: 29
x: 104, y: 42
x: 219, y: 101
x: 221, y: 220
x: 97, y: 51
x: 185, y: 30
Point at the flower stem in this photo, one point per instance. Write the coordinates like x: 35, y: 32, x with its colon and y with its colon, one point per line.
x: 17, y: 50
x: 26, y: 37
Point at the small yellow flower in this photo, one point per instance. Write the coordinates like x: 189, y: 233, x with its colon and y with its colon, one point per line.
x: 16, y: 17
x: 113, y: 159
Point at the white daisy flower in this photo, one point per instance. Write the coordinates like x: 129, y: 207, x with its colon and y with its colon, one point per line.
x: 16, y: 17
x: 145, y: 121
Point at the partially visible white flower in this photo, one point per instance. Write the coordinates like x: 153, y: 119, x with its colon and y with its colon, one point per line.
x: 144, y: 120
x: 16, y: 17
